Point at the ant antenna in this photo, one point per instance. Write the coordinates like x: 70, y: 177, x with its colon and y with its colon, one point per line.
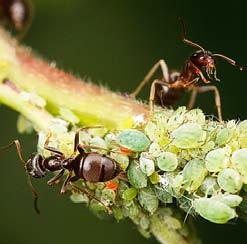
x: 229, y: 60
x: 32, y: 189
x: 187, y: 41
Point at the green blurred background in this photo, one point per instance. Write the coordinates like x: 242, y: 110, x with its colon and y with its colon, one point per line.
x: 115, y: 43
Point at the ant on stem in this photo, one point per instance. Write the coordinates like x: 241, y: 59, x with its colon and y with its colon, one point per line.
x: 167, y: 90
x: 89, y: 166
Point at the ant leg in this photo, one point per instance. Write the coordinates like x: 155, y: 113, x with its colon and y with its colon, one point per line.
x: 192, y: 100
x: 90, y: 196
x: 66, y: 182
x: 77, y: 135
x: 164, y: 68
x: 17, y: 144
x: 214, y: 89
x: 56, y: 179
x: 51, y: 149
x: 152, y: 93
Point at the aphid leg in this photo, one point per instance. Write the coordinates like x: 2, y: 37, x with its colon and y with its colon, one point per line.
x: 56, y: 179
x: 66, y: 182
x: 90, y: 196
x: 165, y: 75
x: 152, y: 93
x: 17, y: 144
x: 201, y: 89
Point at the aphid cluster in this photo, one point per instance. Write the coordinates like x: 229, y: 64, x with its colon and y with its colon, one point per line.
x: 167, y: 90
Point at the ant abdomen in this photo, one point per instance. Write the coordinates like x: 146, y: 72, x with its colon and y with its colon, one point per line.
x: 94, y: 167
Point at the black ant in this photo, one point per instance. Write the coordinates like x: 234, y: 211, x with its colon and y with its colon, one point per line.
x: 91, y: 167
x: 17, y: 14
x: 167, y: 91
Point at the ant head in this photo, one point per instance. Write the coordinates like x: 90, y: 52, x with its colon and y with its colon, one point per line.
x: 205, y: 59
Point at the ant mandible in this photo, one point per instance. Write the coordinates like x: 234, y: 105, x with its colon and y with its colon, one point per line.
x: 167, y: 91
x: 17, y: 14
x: 91, y: 167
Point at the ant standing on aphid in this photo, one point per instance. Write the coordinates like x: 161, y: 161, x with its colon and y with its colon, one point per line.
x: 167, y: 91
x: 89, y: 166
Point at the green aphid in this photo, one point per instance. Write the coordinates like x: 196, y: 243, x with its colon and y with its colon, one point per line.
x: 239, y: 161
x: 148, y: 200
x: 209, y: 186
x: 243, y: 134
x: 224, y: 136
x: 230, y: 180
x: 229, y: 199
x: 195, y: 116
x: 146, y: 164
x: 133, y: 139
x: 164, y: 195
x: 190, y: 135
x: 135, y: 176
x: 216, y: 160
x: 122, y: 160
x: 167, y: 161
x: 129, y: 194
x: 213, y: 210
x: 194, y: 174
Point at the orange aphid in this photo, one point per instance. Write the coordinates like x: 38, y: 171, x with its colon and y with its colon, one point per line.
x: 111, y: 185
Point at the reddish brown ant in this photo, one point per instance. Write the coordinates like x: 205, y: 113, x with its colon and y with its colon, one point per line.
x: 17, y: 14
x: 91, y: 167
x: 167, y: 91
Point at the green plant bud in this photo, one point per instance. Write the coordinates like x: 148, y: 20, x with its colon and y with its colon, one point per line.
x: 146, y: 164
x: 224, y: 136
x: 154, y: 178
x: 216, y: 160
x: 68, y: 115
x: 193, y: 173
x: 214, y: 211
x: 209, y: 186
x: 229, y: 199
x: 239, y: 160
x: 148, y: 200
x: 167, y: 161
x: 136, y: 177
x: 190, y: 135
x: 129, y: 194
x: 24, y: 125
x: 133, y: 139
x: 229, y: 180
